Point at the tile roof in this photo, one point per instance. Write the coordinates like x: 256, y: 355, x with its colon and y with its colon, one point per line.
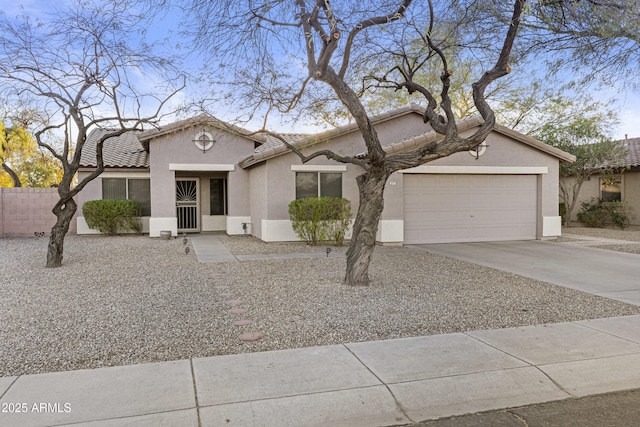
x: 131, y: 149
x: 633, y: 152
x: 274, y: 147
x: 121, y: 151
x: 272, y: 142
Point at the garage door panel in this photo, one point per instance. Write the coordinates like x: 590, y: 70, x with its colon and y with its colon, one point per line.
x: 468, y: 208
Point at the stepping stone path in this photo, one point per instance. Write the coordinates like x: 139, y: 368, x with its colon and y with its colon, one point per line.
x: 223, y: 291
x: 250, y: 336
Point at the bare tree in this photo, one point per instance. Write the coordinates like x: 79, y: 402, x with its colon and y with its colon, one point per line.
x: 262, y: 44
x: 83, y: 70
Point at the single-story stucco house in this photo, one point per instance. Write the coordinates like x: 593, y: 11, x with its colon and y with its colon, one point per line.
x: 623, y: 185
x: 199, y: 175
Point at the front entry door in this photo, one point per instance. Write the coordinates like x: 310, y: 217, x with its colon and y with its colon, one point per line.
x: 187, y: 207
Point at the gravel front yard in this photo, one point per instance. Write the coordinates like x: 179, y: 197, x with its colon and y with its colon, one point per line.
x: 131, y: 299
x: 632, y: 234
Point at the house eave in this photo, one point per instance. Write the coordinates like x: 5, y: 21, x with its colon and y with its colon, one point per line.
x: 327, y: 135
x: 91, y: 168
x: 202, y: 119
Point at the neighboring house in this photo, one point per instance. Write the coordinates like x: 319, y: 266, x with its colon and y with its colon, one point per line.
x: 202, y: 175
x: 624, y: 185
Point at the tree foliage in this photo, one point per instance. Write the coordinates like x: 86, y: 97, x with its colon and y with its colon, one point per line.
x: 595, y: 40
x: 16, y: 144
x: 585, y: 134
x: 86, y: 66
x: 23, y: 163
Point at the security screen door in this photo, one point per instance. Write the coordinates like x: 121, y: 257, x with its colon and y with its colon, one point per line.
x: 187, y: 204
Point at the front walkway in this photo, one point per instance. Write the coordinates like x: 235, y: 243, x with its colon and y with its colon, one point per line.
x: 361, y: 384
x: 208, y: 248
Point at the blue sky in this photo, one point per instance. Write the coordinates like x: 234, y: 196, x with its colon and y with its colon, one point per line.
x: 628, y: 102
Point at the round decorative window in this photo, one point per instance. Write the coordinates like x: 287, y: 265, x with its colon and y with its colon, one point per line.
x: 480, y: 149
x: 204, y: 140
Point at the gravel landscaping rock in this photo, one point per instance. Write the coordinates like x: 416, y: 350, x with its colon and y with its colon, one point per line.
x: 131, y: 299
x: 632, y: 233
x: 632, y: 249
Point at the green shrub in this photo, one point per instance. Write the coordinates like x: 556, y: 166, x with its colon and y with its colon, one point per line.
x: 339, y: 220
x: 621, y: 214
x: 596, y: 213
x: 112, y: 216
x: 318, y: 219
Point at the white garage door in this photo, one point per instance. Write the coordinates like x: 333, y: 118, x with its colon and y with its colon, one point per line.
x: 469, y: 208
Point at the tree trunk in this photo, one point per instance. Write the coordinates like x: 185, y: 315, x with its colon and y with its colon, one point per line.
x: 64, y: 211
x: 570, y: 199
x: 13, y: 175
x: 363, y: 240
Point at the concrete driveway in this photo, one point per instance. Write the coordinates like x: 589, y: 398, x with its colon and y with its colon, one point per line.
x: 611, y: 274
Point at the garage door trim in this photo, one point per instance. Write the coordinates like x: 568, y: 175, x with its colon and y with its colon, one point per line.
x: 479, y: 170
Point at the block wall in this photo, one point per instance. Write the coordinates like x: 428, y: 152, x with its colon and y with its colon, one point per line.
x: 27, y: 211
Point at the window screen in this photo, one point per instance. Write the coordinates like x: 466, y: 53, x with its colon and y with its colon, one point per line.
x: 114, y: 188
x: 138, y: 189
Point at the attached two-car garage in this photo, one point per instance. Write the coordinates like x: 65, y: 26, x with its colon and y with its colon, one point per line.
x: 444, y: 208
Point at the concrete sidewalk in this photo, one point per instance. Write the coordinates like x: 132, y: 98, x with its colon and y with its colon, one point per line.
x: 361, y: 384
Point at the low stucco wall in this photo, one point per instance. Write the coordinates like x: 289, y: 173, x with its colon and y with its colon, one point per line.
x: 26, y: 211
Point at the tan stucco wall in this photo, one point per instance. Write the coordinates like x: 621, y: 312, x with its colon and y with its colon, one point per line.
x: 178, y: 148
x: 630, y: 193
x: 502, y: 151
x: 258, y: 194
x: 281, y: 179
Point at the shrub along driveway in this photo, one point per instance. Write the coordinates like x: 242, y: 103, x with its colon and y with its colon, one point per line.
x: 606, y: 273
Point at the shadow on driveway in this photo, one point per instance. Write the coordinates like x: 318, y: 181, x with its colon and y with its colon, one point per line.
x: 610, y: 274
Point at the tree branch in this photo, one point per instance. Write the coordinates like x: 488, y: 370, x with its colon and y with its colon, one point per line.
x: 327, y: 153
x: 500, y: 69
x: 378, y: 20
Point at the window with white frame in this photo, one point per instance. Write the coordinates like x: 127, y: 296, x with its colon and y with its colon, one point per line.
x: 318, y: 184
x: 138, y: 189
x: 611, y: 189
